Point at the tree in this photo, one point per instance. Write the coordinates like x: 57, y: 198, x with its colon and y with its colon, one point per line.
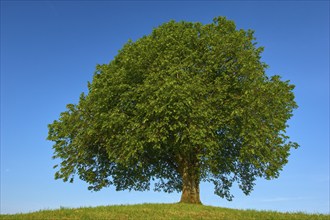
x: 185, y: 104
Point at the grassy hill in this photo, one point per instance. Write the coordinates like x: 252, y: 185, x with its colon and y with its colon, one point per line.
x: 162, y: 211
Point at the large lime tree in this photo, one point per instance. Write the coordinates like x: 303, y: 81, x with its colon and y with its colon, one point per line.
x: 185, y: 104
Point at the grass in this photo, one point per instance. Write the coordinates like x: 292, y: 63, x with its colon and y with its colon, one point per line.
x: 162, y: 211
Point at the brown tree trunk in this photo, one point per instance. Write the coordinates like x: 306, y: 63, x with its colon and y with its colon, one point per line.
x: 190, y: 185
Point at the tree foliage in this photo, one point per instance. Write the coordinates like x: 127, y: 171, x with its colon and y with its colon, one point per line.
x: 185, y: 104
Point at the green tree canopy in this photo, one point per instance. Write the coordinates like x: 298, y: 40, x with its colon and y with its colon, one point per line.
x: 185, y: 104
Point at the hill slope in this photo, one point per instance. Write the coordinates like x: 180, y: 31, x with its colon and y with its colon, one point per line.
x: 162, y: 211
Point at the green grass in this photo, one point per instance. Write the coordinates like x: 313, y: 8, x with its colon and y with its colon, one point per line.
x: 161, y: 211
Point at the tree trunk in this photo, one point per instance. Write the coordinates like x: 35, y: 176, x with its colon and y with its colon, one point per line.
x: 190, y: 185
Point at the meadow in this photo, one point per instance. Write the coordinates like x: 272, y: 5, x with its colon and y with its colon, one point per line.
x: 162, y: 211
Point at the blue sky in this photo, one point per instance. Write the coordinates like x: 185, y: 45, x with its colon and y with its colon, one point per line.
x: 49, y: 50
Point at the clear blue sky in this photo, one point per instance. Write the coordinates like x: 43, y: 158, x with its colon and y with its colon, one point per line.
x: 49, y: 50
